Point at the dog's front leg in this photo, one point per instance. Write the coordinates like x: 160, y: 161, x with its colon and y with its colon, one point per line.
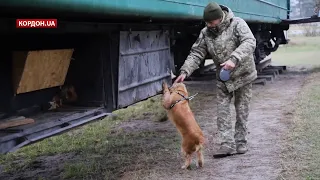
x: 166, y: 98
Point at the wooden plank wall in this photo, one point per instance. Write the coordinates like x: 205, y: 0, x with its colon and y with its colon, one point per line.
x: 35, y: 70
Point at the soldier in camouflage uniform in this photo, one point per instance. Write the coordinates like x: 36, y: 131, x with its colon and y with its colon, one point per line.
x: 231, y: 44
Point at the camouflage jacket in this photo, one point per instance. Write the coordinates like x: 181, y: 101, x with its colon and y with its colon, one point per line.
x: 232, y: 40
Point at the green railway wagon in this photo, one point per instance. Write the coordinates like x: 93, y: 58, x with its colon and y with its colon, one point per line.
x: 261, y: 15
x: 268, y: 11
x: 113, y: 52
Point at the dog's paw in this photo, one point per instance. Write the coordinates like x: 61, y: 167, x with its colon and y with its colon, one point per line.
x: 186, y: 167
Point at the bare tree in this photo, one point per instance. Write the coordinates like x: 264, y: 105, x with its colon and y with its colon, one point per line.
x: 305, y: 8
x: 317, y: 6
x: 317, y: 3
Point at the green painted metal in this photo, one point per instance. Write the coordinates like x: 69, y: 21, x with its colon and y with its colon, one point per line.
x: 271, y: 11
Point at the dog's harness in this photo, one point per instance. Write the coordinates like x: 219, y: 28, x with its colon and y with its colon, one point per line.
x: 183, y: 98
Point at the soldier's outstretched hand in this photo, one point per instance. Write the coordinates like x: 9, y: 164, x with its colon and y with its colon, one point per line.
x: 180, y: 78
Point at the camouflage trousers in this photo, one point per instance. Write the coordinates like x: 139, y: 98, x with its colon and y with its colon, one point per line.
x: 242, y: 98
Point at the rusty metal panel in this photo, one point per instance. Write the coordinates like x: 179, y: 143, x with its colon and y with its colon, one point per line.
x: 144, y: 63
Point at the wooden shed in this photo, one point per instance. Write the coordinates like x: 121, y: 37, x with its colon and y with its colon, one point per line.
x: 43, y: 70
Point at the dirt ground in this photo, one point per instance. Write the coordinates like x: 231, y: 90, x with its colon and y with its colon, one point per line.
x: 266, y: 127
x: 140, y: 148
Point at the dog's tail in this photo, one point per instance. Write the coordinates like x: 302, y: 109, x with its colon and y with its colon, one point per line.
x: 203, y: 141
x: 199, y: 147
x: 200, y: 144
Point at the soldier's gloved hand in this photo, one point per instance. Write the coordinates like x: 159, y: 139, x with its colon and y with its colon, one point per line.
x: 180, y: 78
x: 228, y: 65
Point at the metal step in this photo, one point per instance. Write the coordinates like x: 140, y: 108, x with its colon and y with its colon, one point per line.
x: 269, y: 74
x: 260, y: 82
x: 15, y: 138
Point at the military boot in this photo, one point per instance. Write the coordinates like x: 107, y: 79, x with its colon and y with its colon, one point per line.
x: 225, y: 150
x: 242, y: 148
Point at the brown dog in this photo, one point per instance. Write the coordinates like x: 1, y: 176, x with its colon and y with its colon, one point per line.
x: 175, y: 101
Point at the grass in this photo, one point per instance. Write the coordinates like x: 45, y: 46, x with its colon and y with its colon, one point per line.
x: 301, y: 155
x: 97, y: 148
x: 299, y: 51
